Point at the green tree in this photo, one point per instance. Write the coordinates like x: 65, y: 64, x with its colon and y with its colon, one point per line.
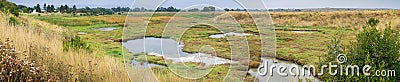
x: 206, y: 9
x: 66, y: 9
x: 211, y: 8
x: 45, y: 7
x: 194, y: 10
x: 74, y: 9
x: 52, y: 8
x: 37, y: 8
x: 48, y: 9
x: 172, y: 9
x: 61, y: 9
x: 226, y: 9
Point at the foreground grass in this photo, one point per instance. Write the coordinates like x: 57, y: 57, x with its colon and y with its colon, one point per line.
x: 106, y: 41
x: 41, y: 42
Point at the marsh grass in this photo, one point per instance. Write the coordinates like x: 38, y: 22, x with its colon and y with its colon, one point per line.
x: 75, y: 43
x: 301, y: 48
x: 81, y: 20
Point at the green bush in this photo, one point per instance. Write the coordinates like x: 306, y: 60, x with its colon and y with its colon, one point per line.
x: 13, y: 21
x: 75, y: 43
x: 378, y: 49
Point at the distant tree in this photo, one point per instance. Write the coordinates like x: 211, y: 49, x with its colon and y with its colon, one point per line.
x: 24, y: 10
x: 206, y: 9
x: 48, y: 9
x: 37, y: 8
x: 74, y: 9
x: 127, y: 9
x: 66, y: 9
x: 118, y: 9
x: 237, y: 9
x: 226, y: 9
x: 172, y: 9
x: 169, y: 9
x: 44, y: 6
x: 142, y: 9
x: 87, y: 9
x: 211, y: 8
x: 52, y: 8
x: 194, y: 10
x: 21, y: 6
x: 30, y: 9
x: 136, y: 10
x: 61, y: 9
x: 161, y: 9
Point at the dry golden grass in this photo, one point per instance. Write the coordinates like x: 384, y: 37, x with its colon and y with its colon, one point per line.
x: 337, y: 19
x: 111, y: 19
x: 341, y: 19
x: 42, y: 42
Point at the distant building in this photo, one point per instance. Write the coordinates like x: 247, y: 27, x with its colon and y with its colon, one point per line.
x: 43, y: 11
x: 34, y: 12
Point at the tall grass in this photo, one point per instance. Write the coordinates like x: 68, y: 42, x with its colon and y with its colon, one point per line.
x: 338, y: 19
x: 17, y: 69
x: 341, y: 19
x: 42, y: 44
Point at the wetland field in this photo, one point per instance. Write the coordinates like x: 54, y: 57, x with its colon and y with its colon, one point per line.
x: 122, y: 42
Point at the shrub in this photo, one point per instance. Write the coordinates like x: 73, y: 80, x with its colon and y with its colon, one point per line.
x: 13, y: 21
x: 378, y: 49
x: 75, y: 43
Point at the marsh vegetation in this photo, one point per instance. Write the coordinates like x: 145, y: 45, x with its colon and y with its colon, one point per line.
x: 65, y: 47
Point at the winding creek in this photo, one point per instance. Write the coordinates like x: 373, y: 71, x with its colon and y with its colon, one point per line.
x: 106, y: 28
x: 275, y: 77
x: 169, y: 48
x: 228, y: 34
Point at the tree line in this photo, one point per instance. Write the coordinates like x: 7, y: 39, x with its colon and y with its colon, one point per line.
x: 45, y: 8
x: 204, y: 9
x: 72, y: 9
x: 68, y: 9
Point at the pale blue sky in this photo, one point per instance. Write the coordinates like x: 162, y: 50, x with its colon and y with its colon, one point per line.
x: 225, y: 3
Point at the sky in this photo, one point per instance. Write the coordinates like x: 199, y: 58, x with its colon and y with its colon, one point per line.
x: 271, y: 4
